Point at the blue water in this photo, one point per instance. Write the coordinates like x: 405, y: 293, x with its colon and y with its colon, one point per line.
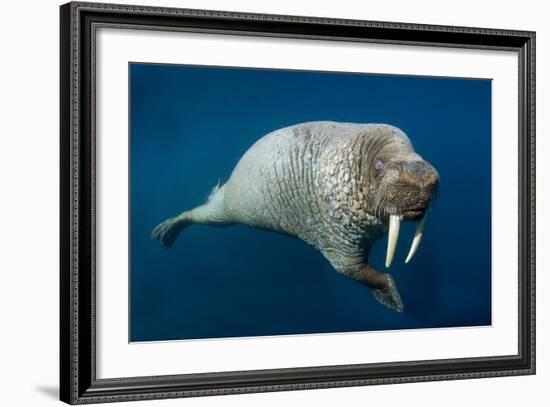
x: 190, y: 126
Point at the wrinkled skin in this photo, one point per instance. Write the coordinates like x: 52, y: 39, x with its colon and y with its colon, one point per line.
x: 332, y: 185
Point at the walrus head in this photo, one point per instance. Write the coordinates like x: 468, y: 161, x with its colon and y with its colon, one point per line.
x: 404, y: 186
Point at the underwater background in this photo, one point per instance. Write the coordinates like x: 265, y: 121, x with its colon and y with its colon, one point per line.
x: 190, y: 125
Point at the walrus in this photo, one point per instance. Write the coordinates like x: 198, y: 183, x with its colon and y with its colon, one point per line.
x: 337, y: 186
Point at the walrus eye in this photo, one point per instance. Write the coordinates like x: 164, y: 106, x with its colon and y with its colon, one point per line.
x: 378, y: 164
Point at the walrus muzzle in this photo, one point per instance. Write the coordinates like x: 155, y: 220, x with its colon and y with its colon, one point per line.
x: 408, y: 190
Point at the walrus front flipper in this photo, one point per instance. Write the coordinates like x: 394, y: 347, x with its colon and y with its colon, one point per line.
x: 382, y: 287
x: 389, y: 295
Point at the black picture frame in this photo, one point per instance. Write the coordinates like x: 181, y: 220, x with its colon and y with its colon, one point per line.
x: 78, y: 382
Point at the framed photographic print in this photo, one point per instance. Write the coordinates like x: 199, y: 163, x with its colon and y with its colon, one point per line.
x: 257, y: 203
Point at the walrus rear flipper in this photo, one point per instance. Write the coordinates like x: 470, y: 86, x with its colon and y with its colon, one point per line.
x: 167, y: 232
x: 210, y: 213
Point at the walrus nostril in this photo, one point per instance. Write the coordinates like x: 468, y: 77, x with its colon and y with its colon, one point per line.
x: 419, y: 174
x: 421, y: 169
x: 430, y: 183
x: 430, y: 179
x: 409, y: 179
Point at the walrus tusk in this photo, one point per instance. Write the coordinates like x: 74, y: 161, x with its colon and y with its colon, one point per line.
x: 417, y: 239
x: 393, y: 235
